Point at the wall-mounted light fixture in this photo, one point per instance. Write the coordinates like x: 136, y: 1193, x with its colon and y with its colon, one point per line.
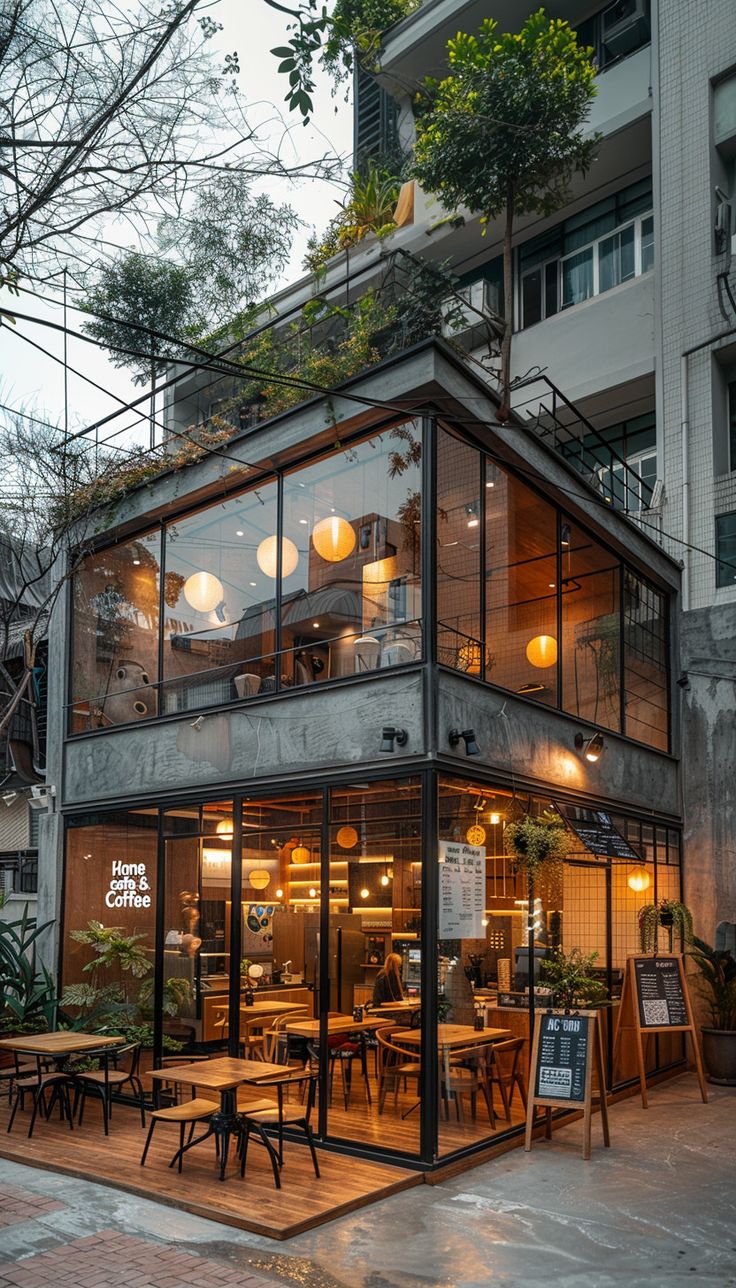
x: 390, y: 735
x: 468, y: 737
x: 591, y: 748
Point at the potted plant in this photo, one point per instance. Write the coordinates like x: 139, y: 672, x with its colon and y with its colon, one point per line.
x: 667, y: 914
x: 27, y: 992
x: 717, y: 987
x: 534, y: 844
x: 570, y: 979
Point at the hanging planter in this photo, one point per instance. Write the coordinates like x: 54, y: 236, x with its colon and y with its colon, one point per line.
x: 669, y: 915
x: 534, y: 845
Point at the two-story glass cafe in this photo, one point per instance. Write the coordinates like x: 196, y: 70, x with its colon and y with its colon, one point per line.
x: 301, y: 675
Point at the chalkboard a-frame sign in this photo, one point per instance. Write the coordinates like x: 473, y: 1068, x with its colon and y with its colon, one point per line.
x: 567, y: 1045
x: 655, y: 999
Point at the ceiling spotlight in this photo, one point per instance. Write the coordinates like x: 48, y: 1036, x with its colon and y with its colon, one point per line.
x: 385, y: 879
x: 468, y: 737
x: 279, y: 893
x: 591, y: 748
x: 390, y: 734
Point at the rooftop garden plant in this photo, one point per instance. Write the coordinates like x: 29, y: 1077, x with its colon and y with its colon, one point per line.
x: 368, y: 208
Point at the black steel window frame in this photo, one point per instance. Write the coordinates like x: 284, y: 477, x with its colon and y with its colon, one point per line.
x: 160, y: 525
x: 562, y: 516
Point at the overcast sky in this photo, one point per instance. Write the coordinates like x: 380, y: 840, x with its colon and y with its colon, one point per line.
x: 35, y: 383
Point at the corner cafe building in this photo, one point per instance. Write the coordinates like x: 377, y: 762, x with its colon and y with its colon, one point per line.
x: 293, y: 695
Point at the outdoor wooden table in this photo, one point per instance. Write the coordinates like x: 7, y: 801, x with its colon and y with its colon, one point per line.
x: 453, y: 1037
x: 59, y: 1046
x: 224, y: 1075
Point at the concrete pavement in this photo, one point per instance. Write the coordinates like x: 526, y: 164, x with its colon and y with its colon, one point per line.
x: 657, y: 1209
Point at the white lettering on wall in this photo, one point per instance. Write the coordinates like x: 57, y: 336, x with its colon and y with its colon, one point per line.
x: 128, y: 886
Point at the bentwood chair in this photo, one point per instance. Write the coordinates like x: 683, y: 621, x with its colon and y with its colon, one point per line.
x: 507, y: 1072
x: 395, y: 1065
x: 468, y: 1075
x: 103, y: 1082
x: 285, y: 1113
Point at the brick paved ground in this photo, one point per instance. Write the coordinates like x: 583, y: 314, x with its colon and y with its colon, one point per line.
x: 113, y: 1260
x: 17, y: 1204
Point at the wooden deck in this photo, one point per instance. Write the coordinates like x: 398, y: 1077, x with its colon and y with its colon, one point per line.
x: 251, y: 1204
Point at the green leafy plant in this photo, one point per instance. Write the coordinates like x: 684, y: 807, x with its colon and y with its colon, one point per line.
x: 369, y: 208
x: 717, y: 983
x: 570, y: 978
x: 668, y: 914
x: 27, y: 991
x: 533, y: 842
x: 503, y: 132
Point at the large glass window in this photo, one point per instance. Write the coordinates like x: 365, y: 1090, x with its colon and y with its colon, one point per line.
x: 459, y: 554
x: 115, y: 643
x: 591, y: 628
x: 726, y: 549
x: 218, y: 629
x: 351, y: 573
x: 645, y: 662
x: 521, y: 587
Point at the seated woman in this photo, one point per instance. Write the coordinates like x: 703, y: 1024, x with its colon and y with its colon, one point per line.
x: 388, y: 986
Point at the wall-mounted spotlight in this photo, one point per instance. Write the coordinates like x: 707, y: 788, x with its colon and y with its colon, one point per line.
x: 390, y: 735
x: 468, y: 737
x: 591, y: 748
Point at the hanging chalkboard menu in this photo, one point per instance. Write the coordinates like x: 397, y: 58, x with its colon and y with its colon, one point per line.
x: 659, y: 993
x: 564, y: 1050
x: 598, y: 832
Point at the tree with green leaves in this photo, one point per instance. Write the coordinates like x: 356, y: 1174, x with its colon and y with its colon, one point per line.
x: 503, y: 132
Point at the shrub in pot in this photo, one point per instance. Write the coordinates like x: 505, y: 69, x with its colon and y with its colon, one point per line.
x: 27, y: 991
x: 717, y: 988
x: 570, y: 979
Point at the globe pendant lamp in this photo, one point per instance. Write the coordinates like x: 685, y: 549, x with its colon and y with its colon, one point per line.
x: 639, y: 880
x: 259, y: 878
x: 300, y: 854
x: 333, y: 538
x: 203, y: 591
x: 347, y: 837
x: 542, y: 650
x: 267, y: 556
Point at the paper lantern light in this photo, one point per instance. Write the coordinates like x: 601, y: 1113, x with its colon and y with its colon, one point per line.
x: 476, y: 835
x: 259, y: 878
x: 333, y: 538
x: 346, y: 838
x: 300, y: 854
x: 225, y: 827
x: 542, y: 650
x: 203, y: 591
x: 639, y: 880
x: 267, y: 556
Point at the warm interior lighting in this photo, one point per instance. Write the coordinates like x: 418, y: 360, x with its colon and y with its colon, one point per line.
x: 495, y: 820
x: 279, y: 893
x: 365, y: 892
x: 225, y: 827
x: 591, y: 748
x: 542, y: 650
x: 312, y: 892
x: 638, y: 880
x: 385, y: 879
x: 203, y: 591
x: 259, y: 878
x: 347, y: 837
x: 300, y: 854
x: 267, y: 555
x: 468, y: 658
x: 333, y: 538
x: 476, y: 835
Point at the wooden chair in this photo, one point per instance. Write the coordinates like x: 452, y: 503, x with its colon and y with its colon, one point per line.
x: 508, y: 1073
x: 102, y: 1082
x: 252, y: 1048
x: 187, y: 1114
x: 276, y: 1045
x: 280, y: 1115
x: 35, y: 1085
x: 394, y: 1064
x: 468, y: 1075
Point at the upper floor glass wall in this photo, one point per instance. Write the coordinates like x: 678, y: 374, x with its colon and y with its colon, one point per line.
x: 235, y: 607
x: 529, y: 600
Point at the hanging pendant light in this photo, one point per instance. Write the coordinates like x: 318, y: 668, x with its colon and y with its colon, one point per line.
x: 347, y: 837
x: 333, y: 538
x: 476, y: 835
x: 224, y: 827
x: 259, y: 878
x: 300, y: 854
x: 267, y: 556
x: 639, y: 879
x: 542, y: 650
x: 203, y: 591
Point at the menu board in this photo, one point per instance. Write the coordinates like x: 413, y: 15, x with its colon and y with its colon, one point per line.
x: 462, y: 890
x: 562, y: 1060
x: 659, y: 993
x: 598, y: 832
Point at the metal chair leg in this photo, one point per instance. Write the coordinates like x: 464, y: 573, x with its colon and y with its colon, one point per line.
x: 148, y: 1140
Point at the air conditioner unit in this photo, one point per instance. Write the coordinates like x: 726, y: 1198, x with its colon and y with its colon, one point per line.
x: 625, y: 26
